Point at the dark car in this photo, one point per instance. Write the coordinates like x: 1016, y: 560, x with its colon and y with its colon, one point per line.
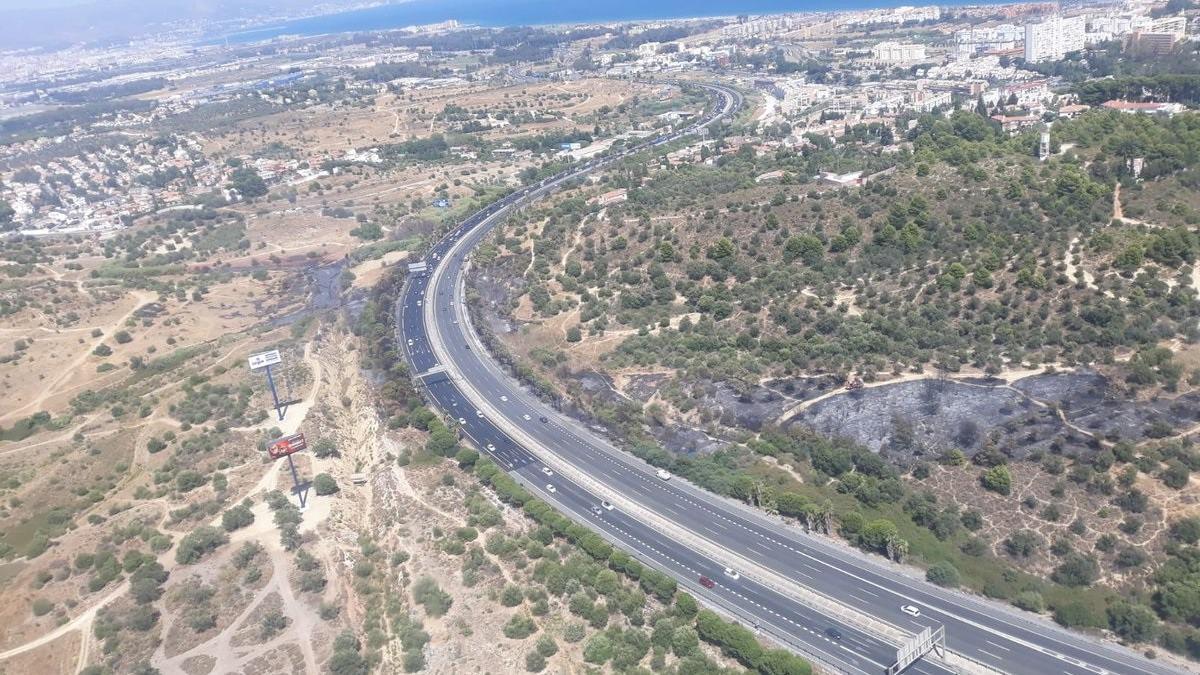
x: 833, y: 633
x: 543, y: 419
x: 706, y: 582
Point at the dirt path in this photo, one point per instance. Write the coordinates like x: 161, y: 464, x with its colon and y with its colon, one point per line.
x: 1008, y: 377
x: 1119, y: 212
x: 230, y: 659
x: 1072, y: 264
x: 294, y: 414
x: 82, y: 622
x: 262, y: 529
x: 51, y: 388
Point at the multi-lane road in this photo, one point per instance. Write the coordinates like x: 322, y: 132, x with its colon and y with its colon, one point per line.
x: 836, y: 605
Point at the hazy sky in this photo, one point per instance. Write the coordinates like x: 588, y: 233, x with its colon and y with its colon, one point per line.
x: 33, y: 4
x: 40, y: 4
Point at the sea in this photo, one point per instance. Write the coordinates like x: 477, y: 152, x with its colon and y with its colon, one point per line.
x: 498, y: 13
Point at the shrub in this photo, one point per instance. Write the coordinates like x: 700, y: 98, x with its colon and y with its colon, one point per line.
x: 1077, y: 570
x: 324, y: 484
x: 685, y: 606
x: 1186, y: 530
x: 574, y: 632
x: 347, y: 659
x: 972, y: 520
x: 237, y: 517
x: 201, y: 619
x: 1132, y: 622
x: 142, y: 618
x: 42, y: 607
x: 997, y: 479
x: 598, y: 649
x: 519, y: 627
x: 188, y: 480
x: 1023, y: 543
x: 511, y: 596
x: 1077, y: 614
x: 684, y: 641
x: 427, y: 593
x: 535, y: 662
x: 1030, y: 601
x: 199, y: 542
x: 943, y: 574
x: 546, y: 646
x: 325, y: 448
x: 272, y: 622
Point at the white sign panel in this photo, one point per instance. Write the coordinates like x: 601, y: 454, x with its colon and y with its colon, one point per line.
x: 264, y: 359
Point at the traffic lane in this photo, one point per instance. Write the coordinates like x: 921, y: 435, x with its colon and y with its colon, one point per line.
x: 418, y: 304
x: 771, y: 545
x: 855, y: 648
x: 1084, y: 654
x: 748, y: 593
x: 837, y: 586
x: 860, y: 648
x: 832, y: 584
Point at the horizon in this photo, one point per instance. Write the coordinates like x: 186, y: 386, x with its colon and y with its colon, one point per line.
x: 62, y: 23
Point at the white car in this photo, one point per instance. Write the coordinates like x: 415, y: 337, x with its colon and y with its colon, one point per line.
x: 732, y: 573
x: 410, y: 341
x: 504, y: 398
x: 607, y: 506
x: 479, y: 413
x: 546, y: 470
x: 462, y: 420
x: 550, y: 488
x: 911, y: 610
x: 664, y: 474
x: 527, y: 417
x: 491, y: 448
x: 596, y: 510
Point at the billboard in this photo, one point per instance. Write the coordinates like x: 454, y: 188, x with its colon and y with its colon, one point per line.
x: 287, y: 446
x: 264, y: 359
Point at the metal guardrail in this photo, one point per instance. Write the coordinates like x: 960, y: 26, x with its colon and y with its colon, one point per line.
x: 812, y: 599
x: 716, y: 603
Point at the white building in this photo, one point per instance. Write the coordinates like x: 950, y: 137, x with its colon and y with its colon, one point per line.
x: 1053, y: 38
x: 1160, y: 36
x: 897, y: 52
x: 977, y: 40
x: 896, y: 15
x: 766, y: 25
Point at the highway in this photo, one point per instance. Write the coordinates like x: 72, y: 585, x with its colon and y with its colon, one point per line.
x: 792, y: 585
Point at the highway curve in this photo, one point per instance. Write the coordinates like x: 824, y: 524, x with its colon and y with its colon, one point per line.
x: 805, y: 591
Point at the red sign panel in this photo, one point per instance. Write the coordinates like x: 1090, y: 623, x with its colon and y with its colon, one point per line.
x: 287, y: 445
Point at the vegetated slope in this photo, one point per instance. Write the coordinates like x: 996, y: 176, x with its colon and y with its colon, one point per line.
x: 725, y: 296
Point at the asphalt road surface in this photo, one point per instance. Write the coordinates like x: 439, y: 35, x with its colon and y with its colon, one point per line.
x: 707, y: 534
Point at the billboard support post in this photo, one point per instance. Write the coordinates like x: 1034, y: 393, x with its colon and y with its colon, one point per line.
x: 274, y: 394
x: 300, y: 494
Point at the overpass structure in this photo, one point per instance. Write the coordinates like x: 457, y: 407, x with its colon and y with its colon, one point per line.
x: 835, y: 605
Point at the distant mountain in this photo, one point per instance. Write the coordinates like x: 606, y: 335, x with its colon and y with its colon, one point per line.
x: 101, y: 21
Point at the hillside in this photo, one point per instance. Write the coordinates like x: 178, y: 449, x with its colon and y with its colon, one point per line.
x: 1015, y: 338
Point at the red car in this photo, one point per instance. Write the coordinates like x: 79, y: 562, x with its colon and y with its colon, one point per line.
x: 706, y: 582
